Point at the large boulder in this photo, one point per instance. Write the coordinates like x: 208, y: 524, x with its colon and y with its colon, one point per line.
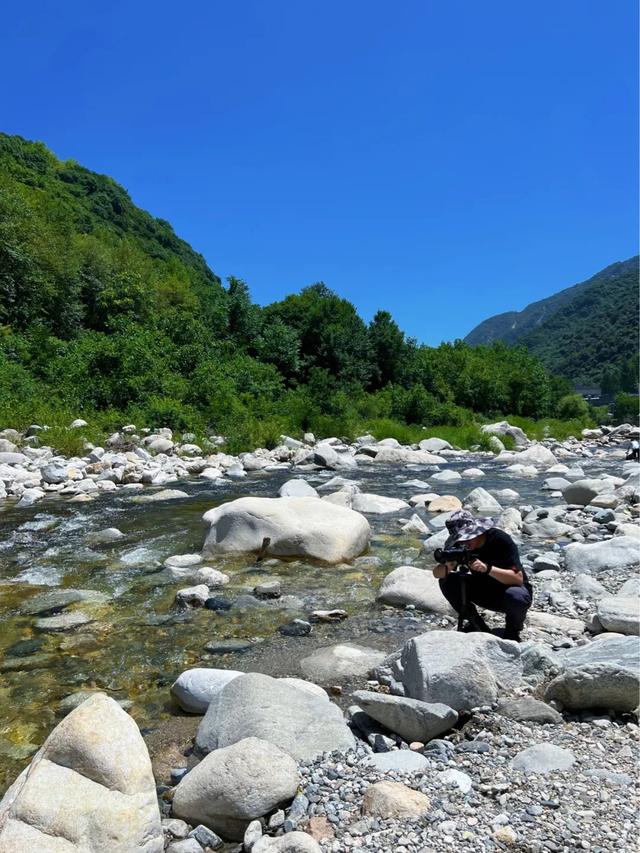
x: 505, y: 428
x: 89, y: 789
x: 536, y: 454
x: 582, y: 492
x: 343, y: 660
x: 301, y: 723
x: 327, y: 457
x: 597, y: 685
x: 620, y: 552
x: 462, y: 671
x: 405, y: 456
x: 377, y: 504
x: 412, y: 719
x: 294, y: 527
x: 411, y: 585
x: 434, y: 445
x: 481, y: 501
x: 235, y: 785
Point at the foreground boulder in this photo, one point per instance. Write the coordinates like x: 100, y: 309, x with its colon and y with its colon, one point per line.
x: 301, y: 723
x: 89, y: 789
x: 235, y: 785
x: 462, y: 671
x: 286, y: 527
x: 411, y: 585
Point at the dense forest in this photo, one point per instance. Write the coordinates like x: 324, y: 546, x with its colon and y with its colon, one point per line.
x: 587, y: 333
x: 105, y: 311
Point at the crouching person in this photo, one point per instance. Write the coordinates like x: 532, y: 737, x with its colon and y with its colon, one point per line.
x: 496, y: 580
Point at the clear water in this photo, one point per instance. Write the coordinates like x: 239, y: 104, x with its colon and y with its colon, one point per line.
x: 138, y: 643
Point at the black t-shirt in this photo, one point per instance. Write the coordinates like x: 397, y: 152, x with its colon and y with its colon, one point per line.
x: 501, y: 551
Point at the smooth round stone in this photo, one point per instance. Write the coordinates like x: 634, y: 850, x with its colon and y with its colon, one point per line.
x: 63, y: 622
x: 218, y: 602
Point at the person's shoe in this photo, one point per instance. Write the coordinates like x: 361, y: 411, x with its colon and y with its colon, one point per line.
x: 511, y: 635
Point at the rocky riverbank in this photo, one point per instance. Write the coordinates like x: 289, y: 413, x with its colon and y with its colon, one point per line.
x: 378, y: 727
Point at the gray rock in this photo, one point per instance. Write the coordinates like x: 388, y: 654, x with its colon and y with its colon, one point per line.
x: 450, y: 778
x: 297, y: 721
x: 547, y: 528
x: 377, y: 504
x: 620, y: 613
x: 411, y: 585
x: 236, y: 784
x: 398, y: 761
x: 630, y: 587
x: 545, y: 562
x: 49, y: 602
x: 543, y: 758
x: 482, y: 502
x: 292, y: 842
x: 163, y: 495
x: 187, y: 845
x: 90, y: 787
x: 584, y: 586
x: 297, y: 488
x: 434, y: 445
x: 462, y: 671
x: 446, y: 477
x: 62, y: 622
x: 343, y: 660
x: 194, y: 689
x: 528, y: 710
x: 206, y: 837
x: 597, y: 685
x: 412, y: 719
x: 54, y: 473
x: 104, y: 537
x: 583, y: 491
x: 555, y: 484
x: 620, y: 552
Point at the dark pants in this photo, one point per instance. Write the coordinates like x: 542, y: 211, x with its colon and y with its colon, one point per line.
x: 513, y: 601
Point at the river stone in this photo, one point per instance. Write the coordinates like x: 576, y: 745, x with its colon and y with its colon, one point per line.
x: 405, y: 456
x: 104, y: 537
x: 343, y: 660
x: 556, y: 624
x: 630, y: 587
x: 412, y: 719
x: 394, y: 800
x: 194, y: 689
x: 54, y: 473
x: 597, y: 685
x: 62, y: 622
x: 49, y: 602
x: 620, y: 613
x: 192, y: 596
x: 291, y: 842
x: 462, y: 671
x: 434, y: 445
x: 296, y: 527
x: 547, y: 528
x: 584, y: 586
x: 325, y: 456
x: 480, y: 500
x: 438, y: 540
x: 543, y: 758
x: 620, y: 552
x: 254, y: 705
x: 398, y: 761
x: 236, y: 784
x: 163, y: 495
x: 415, y: 525
x: 446, y: 477
x: 536, y: 454
x: 505, y: 428
x: 444, y: 503
x: 528, y: 710
x: 583, y: 491
x: 89, y: 788
x: 297, y: 488
x: 377, y: 504
x: 555, y: 484
x: 411, y: 585
x: 13, y: 459
x: 187, y: 845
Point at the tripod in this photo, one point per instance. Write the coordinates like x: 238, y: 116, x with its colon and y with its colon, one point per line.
x: 468, y: 612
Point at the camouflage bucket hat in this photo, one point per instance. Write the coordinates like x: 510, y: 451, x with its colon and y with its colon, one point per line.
x: 463, y: 526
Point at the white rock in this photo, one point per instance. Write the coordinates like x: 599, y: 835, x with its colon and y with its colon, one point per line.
x: 295, y: 527
x: 411, y: 585
x: 194, y: 688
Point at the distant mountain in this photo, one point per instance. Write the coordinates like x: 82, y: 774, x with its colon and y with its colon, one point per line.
x: 580, y: 331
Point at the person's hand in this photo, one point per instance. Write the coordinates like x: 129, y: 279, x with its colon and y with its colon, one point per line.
x: 478, y: 566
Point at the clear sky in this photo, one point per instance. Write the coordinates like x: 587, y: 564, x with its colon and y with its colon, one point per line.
x: 445, y: 160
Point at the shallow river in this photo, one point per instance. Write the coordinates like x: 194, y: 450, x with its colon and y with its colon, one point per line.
x: 137, y: 643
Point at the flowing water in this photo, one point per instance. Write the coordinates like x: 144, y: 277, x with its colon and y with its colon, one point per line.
x: 137, y: 643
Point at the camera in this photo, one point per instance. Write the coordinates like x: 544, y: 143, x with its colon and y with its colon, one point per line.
x: 461, y: 556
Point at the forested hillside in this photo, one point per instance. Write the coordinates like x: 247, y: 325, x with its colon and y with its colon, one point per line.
x: 104, y: 310
x: 587, y: 333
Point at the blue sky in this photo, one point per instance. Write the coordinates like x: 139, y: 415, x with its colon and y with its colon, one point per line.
x: 445, y: 161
